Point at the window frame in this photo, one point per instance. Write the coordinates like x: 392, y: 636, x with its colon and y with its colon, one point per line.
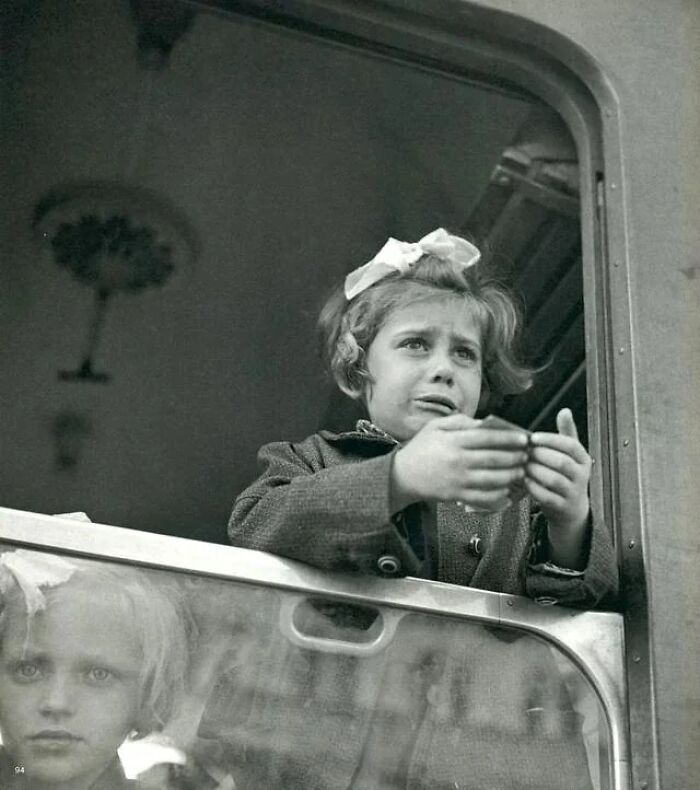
x: 593, y: 641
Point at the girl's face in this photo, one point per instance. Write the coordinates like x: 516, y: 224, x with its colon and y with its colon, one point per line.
x: 425, y: 363
x: 69, y: 690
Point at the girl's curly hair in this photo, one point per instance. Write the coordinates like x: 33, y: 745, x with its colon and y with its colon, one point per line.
x: 347, y: 329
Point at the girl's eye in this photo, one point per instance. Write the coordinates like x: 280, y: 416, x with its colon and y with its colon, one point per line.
x: 99, y: 674
x: 414, y: 343
x: 465, y: 352
x: 26, y: 671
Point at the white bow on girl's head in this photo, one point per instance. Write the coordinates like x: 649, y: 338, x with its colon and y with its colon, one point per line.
x: 399, y: 256
x: 32, y: 570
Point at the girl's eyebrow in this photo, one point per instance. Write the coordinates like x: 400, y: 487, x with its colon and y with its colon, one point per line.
x: 106, y: 662
x: 36, y: 656
x: 469, y: 341
x: 433, y: 330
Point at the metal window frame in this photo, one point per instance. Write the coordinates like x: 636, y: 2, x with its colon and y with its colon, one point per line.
x: 593, y: 641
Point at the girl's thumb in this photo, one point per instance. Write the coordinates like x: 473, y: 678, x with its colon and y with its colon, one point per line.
x: 566, y: 425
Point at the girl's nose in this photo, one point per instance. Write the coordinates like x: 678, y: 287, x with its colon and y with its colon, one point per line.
x: 441, y: 369
x: 57, y: 699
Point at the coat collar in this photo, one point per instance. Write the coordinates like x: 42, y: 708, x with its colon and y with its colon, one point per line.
x: 365, y: 431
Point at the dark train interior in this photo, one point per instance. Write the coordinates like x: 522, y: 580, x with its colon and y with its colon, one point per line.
x: 255, y: 165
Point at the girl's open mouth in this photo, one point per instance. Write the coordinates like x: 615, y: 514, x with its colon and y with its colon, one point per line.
x: 437, y: 403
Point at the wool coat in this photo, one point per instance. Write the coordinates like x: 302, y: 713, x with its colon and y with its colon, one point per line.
x: 325, y: 501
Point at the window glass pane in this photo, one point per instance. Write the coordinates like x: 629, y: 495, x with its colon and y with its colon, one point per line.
x: 218, y: 682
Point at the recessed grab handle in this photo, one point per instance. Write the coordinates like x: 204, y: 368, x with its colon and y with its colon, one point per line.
x: 390, y: 619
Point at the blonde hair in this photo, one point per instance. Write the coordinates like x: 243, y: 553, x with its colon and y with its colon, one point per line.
x: 156, y: 612
x: 348, y: 328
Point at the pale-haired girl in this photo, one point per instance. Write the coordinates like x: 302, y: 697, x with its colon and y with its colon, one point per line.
x: 424, y: 340
x: 90, y: 654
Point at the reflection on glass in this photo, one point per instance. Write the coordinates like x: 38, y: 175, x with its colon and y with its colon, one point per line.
x: 214, y: 684
x: 89, y: 654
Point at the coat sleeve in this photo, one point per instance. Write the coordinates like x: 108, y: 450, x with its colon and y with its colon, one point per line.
x: 333, y: 518
x: 595, y: 586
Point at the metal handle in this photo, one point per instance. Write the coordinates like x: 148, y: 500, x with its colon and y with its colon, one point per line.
x: 390, y: 621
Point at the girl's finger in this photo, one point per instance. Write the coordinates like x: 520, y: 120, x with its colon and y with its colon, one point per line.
x: 492, y: 438
x: 553, y: 481
x: 455, y: 422
x: 496, y: 459
x: 566, y: 425
x: 564, y: 444
x: 558, y: 462
x: 543, y: 495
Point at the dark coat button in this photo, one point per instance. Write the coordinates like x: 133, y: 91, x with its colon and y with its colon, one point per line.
x: 389, y: 564
x: 475, y: 546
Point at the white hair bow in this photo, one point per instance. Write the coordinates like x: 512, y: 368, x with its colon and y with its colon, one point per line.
x: 399, y: 256
x: 32, y: 570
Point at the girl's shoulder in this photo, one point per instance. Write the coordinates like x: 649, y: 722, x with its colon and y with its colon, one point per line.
x: 328, y: 448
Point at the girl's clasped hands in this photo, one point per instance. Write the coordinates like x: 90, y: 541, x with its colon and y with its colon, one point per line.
x: 488, y: 469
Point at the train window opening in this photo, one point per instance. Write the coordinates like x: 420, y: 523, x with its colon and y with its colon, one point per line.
x: 285, y: 152
x: 264, y: 207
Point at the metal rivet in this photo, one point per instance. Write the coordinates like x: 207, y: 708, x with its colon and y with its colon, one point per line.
x: 510, y: 603
x: 621, y: 350
x: 608, y: 113
x: 631, y: 544
x: 616, y: 263
x: 613, y: 186
x: 626, y: 442
x: 636, y: 659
